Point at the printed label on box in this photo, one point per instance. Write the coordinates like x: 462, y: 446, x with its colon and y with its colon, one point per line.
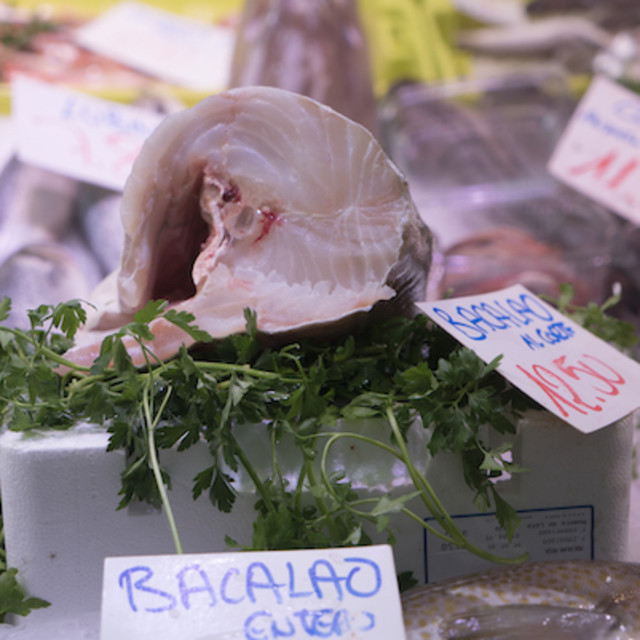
x: 170, y: 47
x: 346, y: 592
x: 78, y: 135
x: 546, y: 534
x: 599, y: 151
x: 569, y: 371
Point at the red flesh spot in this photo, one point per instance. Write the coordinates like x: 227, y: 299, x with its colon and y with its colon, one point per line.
x: 267, y: 218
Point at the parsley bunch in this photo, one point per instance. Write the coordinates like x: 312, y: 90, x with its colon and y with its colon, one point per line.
x: 406, y: 371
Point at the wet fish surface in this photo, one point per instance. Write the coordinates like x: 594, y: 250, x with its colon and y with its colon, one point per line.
x: 261, y: 198
x: 585, y: 600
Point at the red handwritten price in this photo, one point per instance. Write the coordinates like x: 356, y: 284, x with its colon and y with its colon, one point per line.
x: 615, y: 171
x: 599, y: 151
x: 559, y: 382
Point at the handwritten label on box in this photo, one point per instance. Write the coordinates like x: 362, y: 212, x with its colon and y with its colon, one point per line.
x: 78, y: 135
x: 165, y: 45
x: 599, y: 151
x: 569, y: 371
x: 346, y: 592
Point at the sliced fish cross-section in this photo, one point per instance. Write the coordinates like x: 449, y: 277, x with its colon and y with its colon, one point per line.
x: 261, y: 198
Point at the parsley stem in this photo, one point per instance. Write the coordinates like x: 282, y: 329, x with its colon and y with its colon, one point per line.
x: 429, y: 497
x: 363, y: 514
x: 322, y: 505
x: 245, y: 368
x: 46, y: 351
x: 450, y: 532
x: 441, y: 515
x: 249, y: 468
x: 152, y: 423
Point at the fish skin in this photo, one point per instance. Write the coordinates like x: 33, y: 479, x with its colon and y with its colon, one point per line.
x: 42, y: 273
x: 564, y: 599
x: 262, y: 198
x: 36, y: 205
x: 102, y: 228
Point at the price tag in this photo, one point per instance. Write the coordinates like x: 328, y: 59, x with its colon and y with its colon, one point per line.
x: 569, y: 371
x: 170, y: 47
x: 599, y: 151
x: 78, y: 135
x: 328, y: 593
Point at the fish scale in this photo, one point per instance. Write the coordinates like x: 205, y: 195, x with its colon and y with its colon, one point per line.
x: 571, y: 599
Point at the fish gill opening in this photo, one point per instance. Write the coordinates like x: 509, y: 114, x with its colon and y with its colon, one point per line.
x: 178, y: 247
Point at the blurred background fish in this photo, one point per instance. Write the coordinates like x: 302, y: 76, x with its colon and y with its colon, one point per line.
x: 59, y: 237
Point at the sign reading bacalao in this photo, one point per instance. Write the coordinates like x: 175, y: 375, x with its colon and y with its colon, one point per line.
x: 575, y: 375
x: 311, y: 593
x: 599, y: 151
x: 76, y: 134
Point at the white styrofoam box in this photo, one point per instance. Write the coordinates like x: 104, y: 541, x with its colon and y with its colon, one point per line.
x: 59, y: 497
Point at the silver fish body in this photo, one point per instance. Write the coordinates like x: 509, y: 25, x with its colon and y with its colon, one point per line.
x: 588, y: 600
x: 36, y: 205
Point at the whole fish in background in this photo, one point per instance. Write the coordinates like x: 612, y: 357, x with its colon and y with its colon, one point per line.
x: 59, y: 237
x: 609, y: 14
x: 99, y: 221
x: 317, y: 49
x: 570, y: 600
x: 41, y: 273
x: 35, y: 205
x: 43, y: 258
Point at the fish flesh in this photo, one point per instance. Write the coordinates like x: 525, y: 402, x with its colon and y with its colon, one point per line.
x: 574, y: 599
x: 261, y: 198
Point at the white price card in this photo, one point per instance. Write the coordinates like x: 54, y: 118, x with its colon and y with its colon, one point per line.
x: 256, y: 595
x: 168, y: 46
x: 565, y: 368
x: 599, y: 152
x: 76, y: 134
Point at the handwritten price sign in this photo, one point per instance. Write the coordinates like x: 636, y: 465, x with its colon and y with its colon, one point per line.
x: 599, y: 152
x: 566, y: 369
x: 78, y: 135
x: 318, y: 593
x: 172, y: 48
